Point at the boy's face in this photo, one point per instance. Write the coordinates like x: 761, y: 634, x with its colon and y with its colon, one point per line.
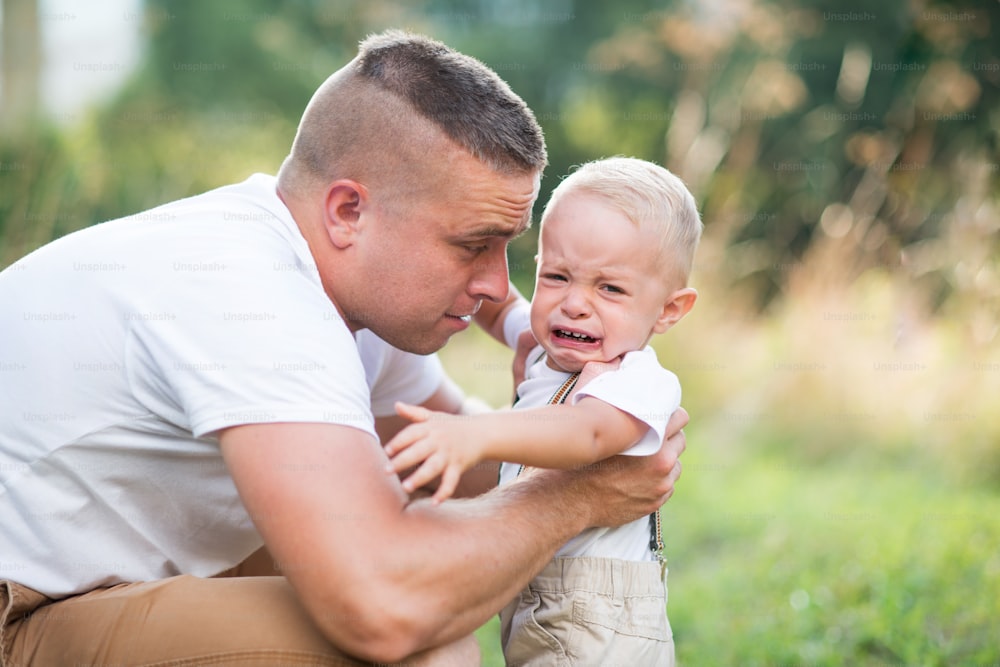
x: 600, y: 290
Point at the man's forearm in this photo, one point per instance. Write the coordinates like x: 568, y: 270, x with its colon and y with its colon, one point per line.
x: 460, y: 562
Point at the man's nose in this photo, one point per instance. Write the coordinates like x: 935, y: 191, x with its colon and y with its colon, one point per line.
x: 490, y: 279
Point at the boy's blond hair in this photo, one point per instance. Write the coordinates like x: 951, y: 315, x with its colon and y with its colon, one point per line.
x: 651, y: 197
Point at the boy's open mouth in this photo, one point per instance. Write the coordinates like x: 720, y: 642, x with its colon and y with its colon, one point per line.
x: 572, y: 335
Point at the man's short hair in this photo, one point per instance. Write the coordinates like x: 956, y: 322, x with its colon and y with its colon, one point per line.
x: 377, y: 117
x: 459, y: 94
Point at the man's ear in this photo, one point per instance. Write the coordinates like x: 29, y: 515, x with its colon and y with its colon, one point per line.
x: 675, y: 307
x: 345, y: 202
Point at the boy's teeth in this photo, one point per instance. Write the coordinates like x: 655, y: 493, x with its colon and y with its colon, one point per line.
x: 573, y: 334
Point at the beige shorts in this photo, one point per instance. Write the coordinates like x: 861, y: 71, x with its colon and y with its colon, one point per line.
x: 590, y: 611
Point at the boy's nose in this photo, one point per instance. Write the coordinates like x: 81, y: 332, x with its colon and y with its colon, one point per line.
x: 575, y: 305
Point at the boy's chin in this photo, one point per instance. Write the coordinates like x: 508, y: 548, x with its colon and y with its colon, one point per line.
x: 570, y: 364
x: 564, y: 365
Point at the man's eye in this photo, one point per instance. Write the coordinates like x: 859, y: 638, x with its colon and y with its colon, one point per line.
x: 476, y: 249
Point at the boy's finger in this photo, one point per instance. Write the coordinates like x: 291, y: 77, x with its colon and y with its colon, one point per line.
x: 449, y: 481
x: 422, y: 475
x: 414, y: 413
x: 399, y: 442
x: 405, y: 459
x: 408, y: 437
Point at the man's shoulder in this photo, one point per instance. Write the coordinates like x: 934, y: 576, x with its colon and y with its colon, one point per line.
x: 252, y: 200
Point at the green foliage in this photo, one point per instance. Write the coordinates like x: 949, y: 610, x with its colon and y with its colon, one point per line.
x: 794, y: 122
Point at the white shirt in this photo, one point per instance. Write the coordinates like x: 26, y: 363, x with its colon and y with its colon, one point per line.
x: 126, y: 346
x: 394, y: 375
x: 639, y: 387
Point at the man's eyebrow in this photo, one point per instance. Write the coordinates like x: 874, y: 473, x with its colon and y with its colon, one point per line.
x: 495, y: 231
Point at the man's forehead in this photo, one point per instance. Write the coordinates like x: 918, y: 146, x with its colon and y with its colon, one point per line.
x: 500, y: 212
x: 497, y: 230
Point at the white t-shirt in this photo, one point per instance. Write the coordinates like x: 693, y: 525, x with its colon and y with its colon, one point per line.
x: 639, y: 387
x: 394, y: 375
x: 125, y: 346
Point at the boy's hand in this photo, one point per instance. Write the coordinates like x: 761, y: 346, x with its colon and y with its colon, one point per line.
x: 592, y: 369
x: 438, y: 443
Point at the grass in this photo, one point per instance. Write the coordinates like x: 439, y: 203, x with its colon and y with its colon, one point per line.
x: 777, y: 563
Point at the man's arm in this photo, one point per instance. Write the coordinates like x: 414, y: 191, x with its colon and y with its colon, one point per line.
x: 384, y: 578
x: 491, y: 318
x: 553, y: 436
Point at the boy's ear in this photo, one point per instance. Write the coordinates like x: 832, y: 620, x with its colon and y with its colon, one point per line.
x: 675, y: 307
x: 345, y: 202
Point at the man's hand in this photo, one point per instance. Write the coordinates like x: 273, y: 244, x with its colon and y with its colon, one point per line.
x: 625, y: 488
x: 439, y: 444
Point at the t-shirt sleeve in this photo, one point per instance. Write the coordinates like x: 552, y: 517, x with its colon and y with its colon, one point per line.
x: 643, y: 389
x: 517, y: 320
x: 395, y: 375
x: 245, y: 344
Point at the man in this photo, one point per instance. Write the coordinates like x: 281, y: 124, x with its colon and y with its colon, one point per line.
x: 192, y: 383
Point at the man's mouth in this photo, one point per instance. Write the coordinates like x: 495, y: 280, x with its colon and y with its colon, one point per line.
x: 468, y: 317
x: 574, y: 335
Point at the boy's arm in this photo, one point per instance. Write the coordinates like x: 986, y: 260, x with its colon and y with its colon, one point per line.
x: 562, y: 436
x: 554, y: 436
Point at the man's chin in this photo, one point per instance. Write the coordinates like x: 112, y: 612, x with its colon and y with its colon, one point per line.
x: 426, y: 343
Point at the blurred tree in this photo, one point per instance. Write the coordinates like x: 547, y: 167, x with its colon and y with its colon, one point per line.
x: 827, y: 131
x: 21, y: 55
x: 823, y: 139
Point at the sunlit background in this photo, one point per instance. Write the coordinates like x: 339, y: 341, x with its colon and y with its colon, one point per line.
x: 839, y: 502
